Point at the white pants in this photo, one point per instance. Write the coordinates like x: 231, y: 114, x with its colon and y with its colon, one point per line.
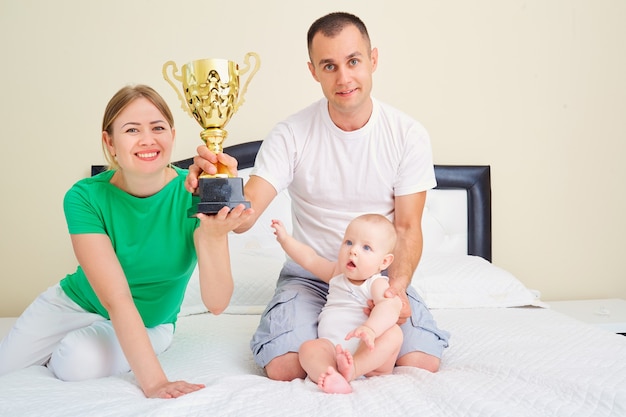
x: 75, y: 344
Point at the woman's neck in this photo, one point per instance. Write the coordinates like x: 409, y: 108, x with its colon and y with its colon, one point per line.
x: 142, y: 186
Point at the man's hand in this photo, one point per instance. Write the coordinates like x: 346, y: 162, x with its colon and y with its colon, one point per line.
x: 391, y: 292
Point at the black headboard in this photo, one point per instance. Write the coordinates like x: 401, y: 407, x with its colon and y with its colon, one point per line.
x: 475, y: 179
x: 244, y: 153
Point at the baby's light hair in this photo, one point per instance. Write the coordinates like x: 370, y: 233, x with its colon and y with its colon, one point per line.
x: 378, y: 220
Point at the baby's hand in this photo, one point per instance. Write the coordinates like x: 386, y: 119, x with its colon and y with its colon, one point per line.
x: 279, y: 229
x: 366, y: 334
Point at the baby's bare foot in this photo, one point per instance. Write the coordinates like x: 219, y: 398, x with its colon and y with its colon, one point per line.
x: 345, y: 363
x: 333, y: 382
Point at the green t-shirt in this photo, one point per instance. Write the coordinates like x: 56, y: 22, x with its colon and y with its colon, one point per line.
x: 152, y: 237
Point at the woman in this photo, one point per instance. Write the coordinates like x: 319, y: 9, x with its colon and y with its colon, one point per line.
x: 136, y: 250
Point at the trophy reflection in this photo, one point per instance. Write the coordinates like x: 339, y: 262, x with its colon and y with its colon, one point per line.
x: 212, y: 96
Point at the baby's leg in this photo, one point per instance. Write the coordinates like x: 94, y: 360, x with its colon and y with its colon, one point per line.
x: 333, y: 382
x: 382, y: 359
x: 316, y: 356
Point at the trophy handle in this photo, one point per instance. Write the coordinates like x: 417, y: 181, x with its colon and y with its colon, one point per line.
x: 179, y: 78
x: 257, y: 64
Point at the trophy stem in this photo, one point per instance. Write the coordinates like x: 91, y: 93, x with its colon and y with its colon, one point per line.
x: 214, y: 139
x: 218, y: 190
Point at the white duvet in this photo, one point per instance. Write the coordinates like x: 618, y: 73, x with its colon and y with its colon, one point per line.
x: 507, y: 362
x: 503, y: 360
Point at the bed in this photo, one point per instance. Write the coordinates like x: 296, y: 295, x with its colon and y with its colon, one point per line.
x: 509, y: 354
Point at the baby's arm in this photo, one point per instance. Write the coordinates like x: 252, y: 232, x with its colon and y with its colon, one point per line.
x: 384, y: 314
x: 303, y: 254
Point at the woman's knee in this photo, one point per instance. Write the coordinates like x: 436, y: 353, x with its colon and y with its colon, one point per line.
x: 79, y: 358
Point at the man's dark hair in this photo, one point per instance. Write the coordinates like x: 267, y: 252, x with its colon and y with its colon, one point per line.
x: 332, y: 24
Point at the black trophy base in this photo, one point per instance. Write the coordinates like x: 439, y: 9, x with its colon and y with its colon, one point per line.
x: 215, y: 193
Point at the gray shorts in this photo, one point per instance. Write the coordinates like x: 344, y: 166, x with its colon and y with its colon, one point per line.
x: 291, y: 319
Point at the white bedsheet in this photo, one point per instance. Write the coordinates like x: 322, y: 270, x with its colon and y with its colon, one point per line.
x: 501, y: 362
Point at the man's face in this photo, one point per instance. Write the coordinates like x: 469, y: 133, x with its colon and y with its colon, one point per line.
x: 343, y: 66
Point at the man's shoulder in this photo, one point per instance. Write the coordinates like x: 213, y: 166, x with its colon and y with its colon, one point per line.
x: 396, y: 119
x: 391, y: 112
x: 306, y: 112
x: 296, y: 125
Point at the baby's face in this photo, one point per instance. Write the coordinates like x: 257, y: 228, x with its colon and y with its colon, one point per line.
x: 363, y: 251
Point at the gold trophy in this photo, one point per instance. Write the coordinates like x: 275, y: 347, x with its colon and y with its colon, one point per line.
x: 212, y: 96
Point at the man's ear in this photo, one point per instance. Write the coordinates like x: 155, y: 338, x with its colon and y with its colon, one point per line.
x: 312, y: 69
x: 374, y: 58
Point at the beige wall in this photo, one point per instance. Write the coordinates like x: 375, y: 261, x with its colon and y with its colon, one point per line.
x: 536, y: 89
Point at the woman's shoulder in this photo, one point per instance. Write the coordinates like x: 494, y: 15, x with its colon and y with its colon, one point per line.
x: 180, y: 172
x: 92, y: 182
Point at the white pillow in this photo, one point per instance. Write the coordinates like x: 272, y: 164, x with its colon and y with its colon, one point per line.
x: 465, y: 281
x: 443, y: 280
x: 256, y: 260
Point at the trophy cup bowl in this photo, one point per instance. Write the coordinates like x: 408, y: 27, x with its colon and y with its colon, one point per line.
x: 211, y: 94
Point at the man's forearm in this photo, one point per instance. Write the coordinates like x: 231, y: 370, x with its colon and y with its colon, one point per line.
x: 409, y: 243
x: 407, y: 255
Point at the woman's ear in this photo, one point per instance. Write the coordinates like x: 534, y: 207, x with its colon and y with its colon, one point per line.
x: 107, y: 140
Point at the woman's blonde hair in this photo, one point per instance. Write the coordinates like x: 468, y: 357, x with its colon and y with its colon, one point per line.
x: 118, y: 103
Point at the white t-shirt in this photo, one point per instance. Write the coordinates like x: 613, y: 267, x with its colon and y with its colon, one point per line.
x: 334, y: 176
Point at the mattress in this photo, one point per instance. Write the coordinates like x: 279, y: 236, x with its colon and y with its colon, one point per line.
x: 508, y: 362
x: 508, y: 356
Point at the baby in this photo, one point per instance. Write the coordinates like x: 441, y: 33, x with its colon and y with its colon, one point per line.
x: 350, y: 343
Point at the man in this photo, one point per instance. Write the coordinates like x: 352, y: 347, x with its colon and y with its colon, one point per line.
x: 343, y: 156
